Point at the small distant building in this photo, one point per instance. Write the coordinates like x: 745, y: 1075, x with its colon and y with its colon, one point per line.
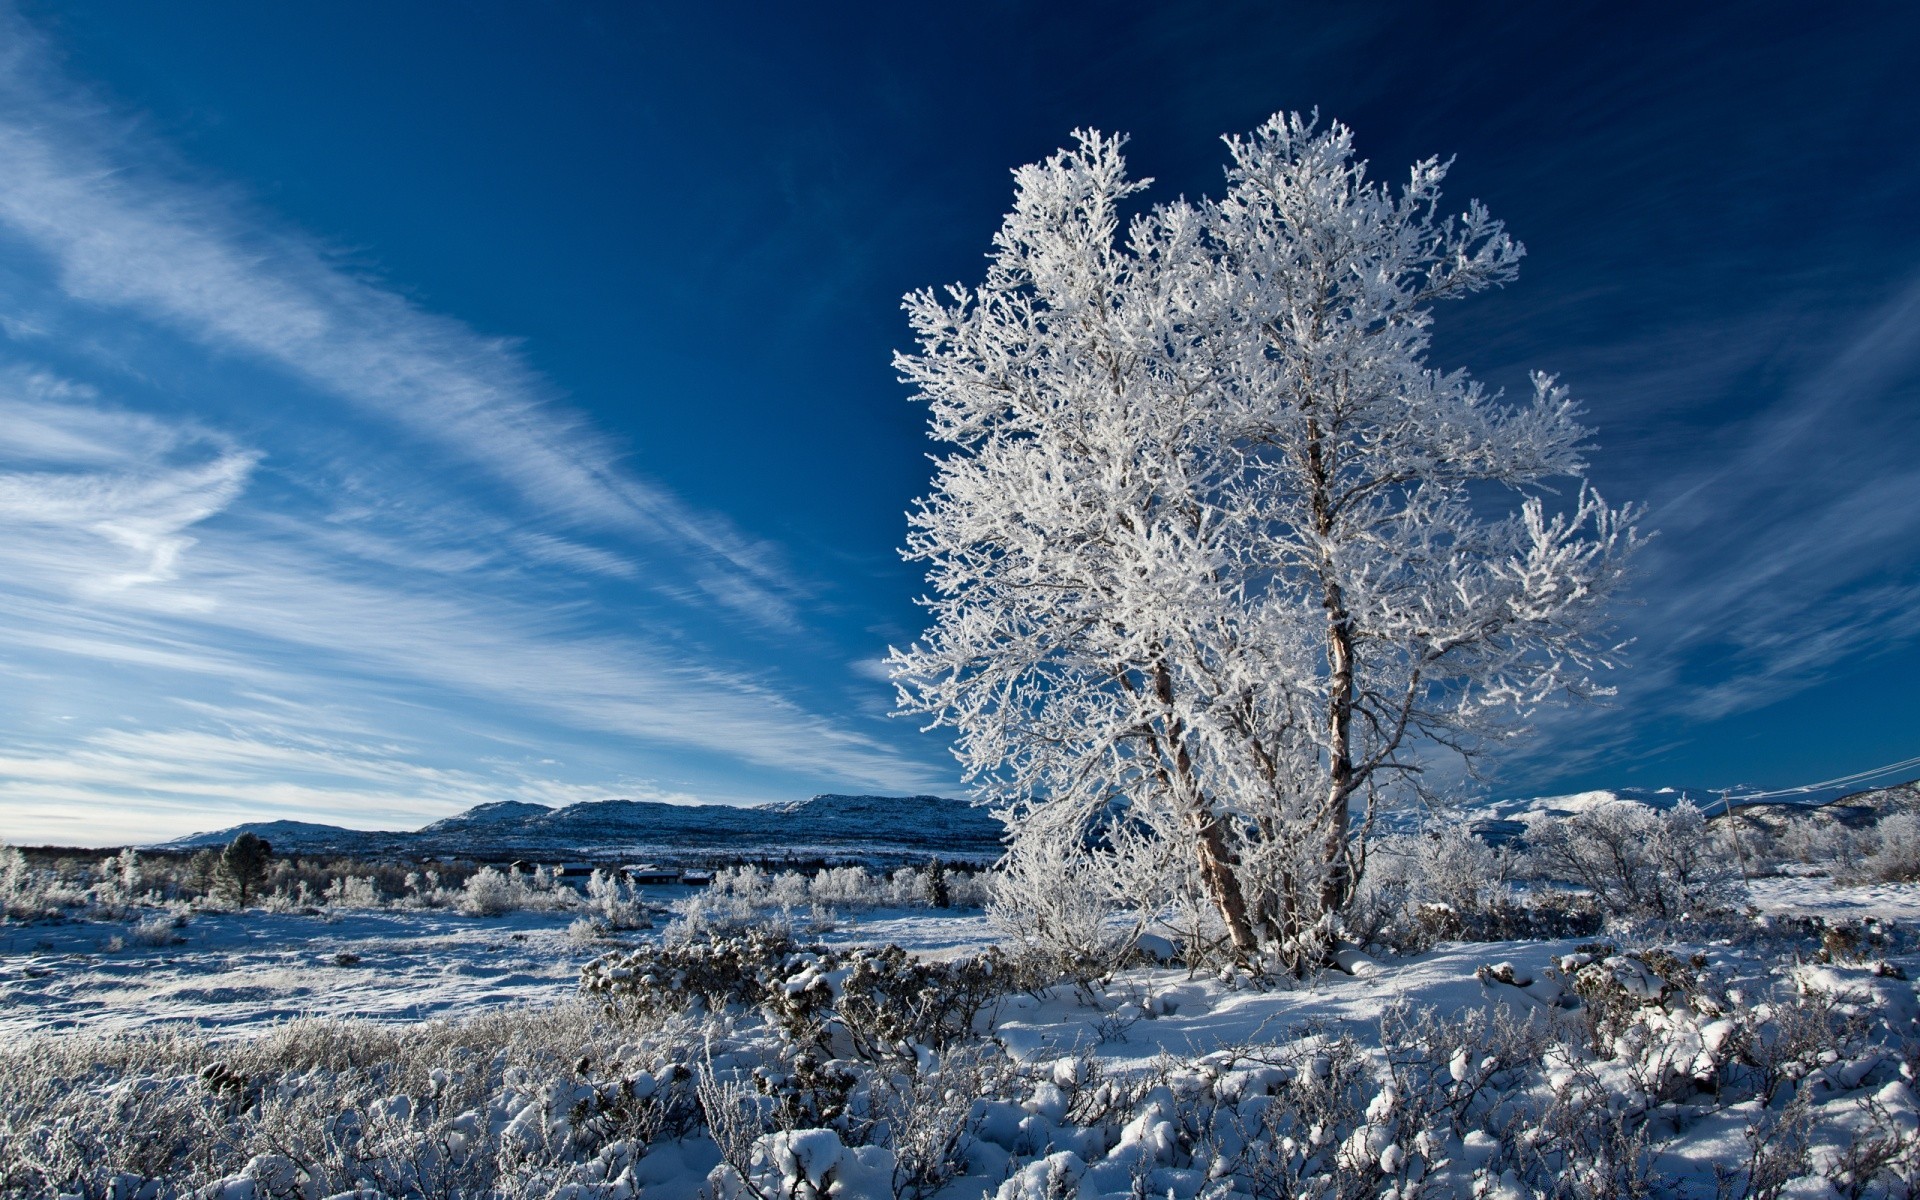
x: 696, y: 878
x: 520, y: 866
x: 574, y: 870
x: 648, y: 875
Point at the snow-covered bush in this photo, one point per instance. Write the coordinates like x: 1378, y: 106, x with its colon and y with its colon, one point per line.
x: 725, y: 909
x: 488, y: 893
x: 1635, y: 860
x: 1824, y: 844
x: 21, y: 898
x: 1895, y: 853
x: 1444, y: 884
x: 1062, y: 901
x: 498, y: 1106
x: 870, y: 1003
x: 1443, y: 865
x: 158, y: 931
x: 491, y: 892
x: 615, y: 903
x: 352, y: 891
x: 743, y: 897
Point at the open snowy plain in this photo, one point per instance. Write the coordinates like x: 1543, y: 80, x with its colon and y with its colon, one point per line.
x: 239, y: 972
x: 453, y: 1059
x: 236, y: 972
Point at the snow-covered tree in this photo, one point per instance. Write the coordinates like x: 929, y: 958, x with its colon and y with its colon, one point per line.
x: 1214, y: 549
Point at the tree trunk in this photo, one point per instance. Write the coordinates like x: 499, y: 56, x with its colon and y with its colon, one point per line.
x: 1217, y: 863
x: 1335, y: 885
x: 1216, y: 858
x: 1335, y: 882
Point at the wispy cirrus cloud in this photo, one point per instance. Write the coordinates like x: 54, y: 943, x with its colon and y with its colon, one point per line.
x: 216, y: 582
x: 112, y: 494
x: 296, y: 607
x: 121, y: 234
x: 1803, y: 532
x: 1788, y: 542
x: 156, y: 783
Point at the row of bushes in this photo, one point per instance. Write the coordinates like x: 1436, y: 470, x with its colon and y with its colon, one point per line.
x: 747, y: 898
x: 125, y: 884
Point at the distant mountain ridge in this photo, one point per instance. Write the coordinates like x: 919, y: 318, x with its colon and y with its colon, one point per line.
x: 878, y: 827
x: 900, y: 828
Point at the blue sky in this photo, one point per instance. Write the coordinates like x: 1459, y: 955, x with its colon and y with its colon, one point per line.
x: 406, y: 406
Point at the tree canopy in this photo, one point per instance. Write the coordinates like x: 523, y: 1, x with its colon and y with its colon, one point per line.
x: 1213, y: 550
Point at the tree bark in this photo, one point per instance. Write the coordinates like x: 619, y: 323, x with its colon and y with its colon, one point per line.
x: 1335, y: 886
x: 1216, y: 858
x: 1335, y: 882
x: 1217, y: 863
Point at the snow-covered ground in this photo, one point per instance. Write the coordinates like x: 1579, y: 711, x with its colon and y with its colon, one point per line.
x: 1199, y: 1086
x: 237, y: 970
x: 234, y: 971
x: 1820, y: 896
x: 1148, y: 1014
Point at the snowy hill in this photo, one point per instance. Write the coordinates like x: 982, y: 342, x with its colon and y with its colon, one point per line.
x: 281, y: 835
x: 886, y: 827
x: 899, y: 827
x: 1503, y: 820
x: 486, y: 816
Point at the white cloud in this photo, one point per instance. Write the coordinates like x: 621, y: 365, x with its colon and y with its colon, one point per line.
x: 112, y: 495
x: 155, y: 569
x: 124, y: 235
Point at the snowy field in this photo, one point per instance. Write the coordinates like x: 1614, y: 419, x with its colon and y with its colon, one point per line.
x: 1731, y: 1056
x: 236, y: 972
x: 1819, y: 896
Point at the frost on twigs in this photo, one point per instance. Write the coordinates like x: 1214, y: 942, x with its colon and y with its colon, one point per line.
x: 869, y: 1003
x: 1213, y: 550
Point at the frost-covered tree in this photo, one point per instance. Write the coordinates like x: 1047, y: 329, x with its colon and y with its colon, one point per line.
x: 1215, y: 550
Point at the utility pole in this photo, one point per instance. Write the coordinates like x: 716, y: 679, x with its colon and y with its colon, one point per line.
x: 1733, y: 828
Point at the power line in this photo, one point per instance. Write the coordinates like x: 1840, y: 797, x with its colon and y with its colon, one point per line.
x: 1824, y: 785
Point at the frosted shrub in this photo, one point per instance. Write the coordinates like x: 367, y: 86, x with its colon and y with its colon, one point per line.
x: 932, y: 1114
x: 1445, y: 884
x: 158, y: 931
x: 740, y: 898
x: 491, y: 892
x: 1057, y: 901
x: 720, y: 913
x: 498, y: 1106
x: 1443, y: 864
x: 21, y: 898
x: 488, y: 893
x: 1635, y: 860
x: 615, y: 903
x: 853, y: 887
x: 864, y: 1002
x: 970, y: 889
x: 1826, y: 844
x: 296, y: 896
x: 1457, y: 869
x: 788, y: 890
x: 1895, y: 857
x: 121, y: 877
x: 353, y: 891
